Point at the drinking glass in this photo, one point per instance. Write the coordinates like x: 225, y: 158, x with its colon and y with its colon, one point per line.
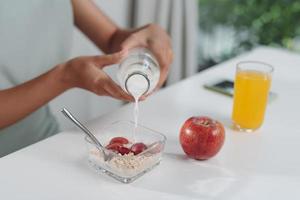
x: 251, y: 91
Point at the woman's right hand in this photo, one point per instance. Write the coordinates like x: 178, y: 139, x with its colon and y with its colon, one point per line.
x: 86, y: 72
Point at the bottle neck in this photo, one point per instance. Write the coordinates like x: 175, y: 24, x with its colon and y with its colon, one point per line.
x: 137, y: 84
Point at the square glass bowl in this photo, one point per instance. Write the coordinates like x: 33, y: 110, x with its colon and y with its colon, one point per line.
x: 126, y: 168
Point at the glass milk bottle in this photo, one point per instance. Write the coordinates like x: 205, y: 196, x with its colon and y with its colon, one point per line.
x: 139, y: 72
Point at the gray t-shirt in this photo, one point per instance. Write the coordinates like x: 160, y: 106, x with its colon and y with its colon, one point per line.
x: 35, y: 35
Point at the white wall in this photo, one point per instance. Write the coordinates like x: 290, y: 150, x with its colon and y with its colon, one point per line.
x: 85, y: 104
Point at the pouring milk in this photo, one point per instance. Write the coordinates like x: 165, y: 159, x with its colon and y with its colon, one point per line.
x: 138, y: 75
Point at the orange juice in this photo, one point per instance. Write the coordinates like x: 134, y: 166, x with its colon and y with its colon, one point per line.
x: 251, y: 89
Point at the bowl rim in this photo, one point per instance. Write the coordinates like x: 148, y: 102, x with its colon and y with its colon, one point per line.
x: 162, y: 141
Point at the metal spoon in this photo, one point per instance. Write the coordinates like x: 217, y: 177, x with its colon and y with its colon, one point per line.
x: 107, y: 155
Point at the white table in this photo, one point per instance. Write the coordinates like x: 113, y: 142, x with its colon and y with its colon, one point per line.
x: 261, y: 165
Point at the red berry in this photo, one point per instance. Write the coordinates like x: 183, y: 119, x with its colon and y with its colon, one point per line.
x: 114, y: 147
x: 138, y: 148
x: 119, y: 140
x: 124, y: 150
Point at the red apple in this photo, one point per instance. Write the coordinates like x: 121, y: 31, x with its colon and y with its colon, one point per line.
x: 202, y: 137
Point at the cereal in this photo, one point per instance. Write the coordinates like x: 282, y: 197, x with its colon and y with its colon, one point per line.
x: 125, y: 165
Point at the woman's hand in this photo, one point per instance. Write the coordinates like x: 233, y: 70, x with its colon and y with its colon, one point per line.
x: 152, y: 37
x: 83, y: 72
x: 110, y: 38
x: 86, y: 72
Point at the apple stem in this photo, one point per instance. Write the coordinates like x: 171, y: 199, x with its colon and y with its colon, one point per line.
x: 205, y: 123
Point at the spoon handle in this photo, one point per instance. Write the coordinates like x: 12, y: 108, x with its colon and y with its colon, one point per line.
x: 81, y: 126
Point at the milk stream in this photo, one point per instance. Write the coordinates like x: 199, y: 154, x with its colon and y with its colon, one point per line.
x: 137, y: 86
x: 136, y: 118
x: 138, y: 75
x: 136, y: 112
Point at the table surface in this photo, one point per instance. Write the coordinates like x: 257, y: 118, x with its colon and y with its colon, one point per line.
x: 261, y: 165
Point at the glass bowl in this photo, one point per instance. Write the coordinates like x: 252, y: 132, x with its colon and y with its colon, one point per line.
x: 126, y: 168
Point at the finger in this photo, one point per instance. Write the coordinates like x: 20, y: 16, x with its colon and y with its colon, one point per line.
x: 104, y: 85
x: 133, y: 41
x: 143, y: 98
x: 104, y: 60
x: 164, y: 63
x: 164, y: 57
x: 116, y: 91
x: 162, y: 80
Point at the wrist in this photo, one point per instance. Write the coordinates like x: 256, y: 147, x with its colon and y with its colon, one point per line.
x: 60, y: 75
x: 116, y: 40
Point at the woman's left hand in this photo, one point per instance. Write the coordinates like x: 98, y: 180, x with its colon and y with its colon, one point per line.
x: 111, y: 39
x: 157, y: 41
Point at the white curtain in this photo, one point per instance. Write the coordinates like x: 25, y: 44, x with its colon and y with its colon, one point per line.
x: 180, y: 19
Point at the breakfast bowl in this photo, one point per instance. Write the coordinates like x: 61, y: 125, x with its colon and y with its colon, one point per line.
x: 126, y: 163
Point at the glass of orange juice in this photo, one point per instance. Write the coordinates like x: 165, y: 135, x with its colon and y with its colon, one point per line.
x: 251, y: 91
